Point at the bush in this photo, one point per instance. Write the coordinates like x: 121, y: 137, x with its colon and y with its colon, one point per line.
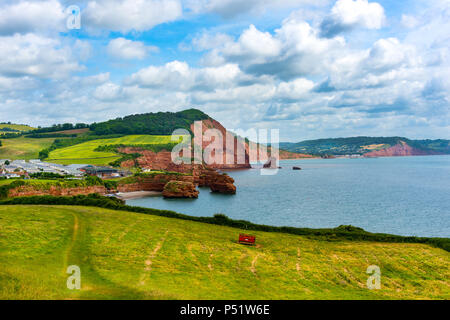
x: 4, y: 190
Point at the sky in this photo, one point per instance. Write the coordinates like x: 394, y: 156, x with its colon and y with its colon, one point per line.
x: 310, y: 68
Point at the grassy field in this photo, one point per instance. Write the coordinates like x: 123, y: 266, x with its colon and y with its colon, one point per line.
x: 124, y: 255
x: 20, y: 127
x: 84, y: 152
x: 23, y: 148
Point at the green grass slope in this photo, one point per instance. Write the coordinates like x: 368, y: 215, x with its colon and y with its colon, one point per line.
x: 18, y: 127
x: 23, y: 148
x: 84, y: 152
x: 125, y: 255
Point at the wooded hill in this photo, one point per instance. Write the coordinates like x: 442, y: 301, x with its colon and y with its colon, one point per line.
x: 160, y: 123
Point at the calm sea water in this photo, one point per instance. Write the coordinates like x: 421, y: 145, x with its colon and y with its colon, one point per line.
x: 398, y: 195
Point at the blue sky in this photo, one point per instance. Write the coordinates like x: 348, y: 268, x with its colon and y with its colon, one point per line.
x: 312, y: 69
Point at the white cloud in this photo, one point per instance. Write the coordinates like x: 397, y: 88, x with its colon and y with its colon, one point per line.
x: 409, y: 21
x: 388, y: 54
x: 128, y: 15
x: 295, y: 89
x: 107, y: 92
x: 253, y: 45
x: 82, y: 49
x: 179, y: 76
x: 37, y: 56
x: 207, y: 41
x: 127, y: 49
x: 29, y: 16
x: 294, y: 50
x: 349, y: 14
x: 233, y: 8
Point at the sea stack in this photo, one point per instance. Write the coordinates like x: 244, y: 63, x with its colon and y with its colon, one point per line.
x: 180, y: 189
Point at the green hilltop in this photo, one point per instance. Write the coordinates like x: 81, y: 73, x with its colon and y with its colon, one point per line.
x: 160, y: 123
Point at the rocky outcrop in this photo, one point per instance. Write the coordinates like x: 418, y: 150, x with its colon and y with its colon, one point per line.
x: 202, y: 177
x: 25, y: 191
x: 271, y: 163
x: 400, y: 150
x: 221, y: 183
x: 180, y: 189
x: 151, y: 182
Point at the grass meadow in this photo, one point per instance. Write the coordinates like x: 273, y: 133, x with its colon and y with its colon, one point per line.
x: 23, y: 148
x: 84, y: 152
x: 124, y: 255
x: 20, y: 127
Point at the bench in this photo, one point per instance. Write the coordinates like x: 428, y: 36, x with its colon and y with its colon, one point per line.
x: 247, y: 239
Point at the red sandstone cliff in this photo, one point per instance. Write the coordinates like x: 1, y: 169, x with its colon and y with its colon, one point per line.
x: 231, y: 157
x: 235, y: 155
x: 153, y: 182
x: 399, y: 150
x: 25, y: 191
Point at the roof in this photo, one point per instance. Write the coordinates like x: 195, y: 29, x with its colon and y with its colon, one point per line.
x: 98, y: 169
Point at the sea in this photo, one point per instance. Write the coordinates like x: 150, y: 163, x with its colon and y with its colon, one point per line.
x: 398, y: 195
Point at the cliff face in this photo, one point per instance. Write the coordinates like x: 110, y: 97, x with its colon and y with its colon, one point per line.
x: 400, y: 149
x: 227, y: 153
x: 25, y: 191
x: 152, y: 182
x: 155, y: 182
x: 231, y: 157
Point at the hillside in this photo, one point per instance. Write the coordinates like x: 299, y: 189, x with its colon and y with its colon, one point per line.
x: 124, y: 255
x: 142, y: 133
x: 370, y: 146
x: 87, y: 153
x: 23, y: 148
x: 160, y: 123
x: 10, y: 127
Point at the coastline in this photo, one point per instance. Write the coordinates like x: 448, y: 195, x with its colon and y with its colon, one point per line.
x: 136, y: 194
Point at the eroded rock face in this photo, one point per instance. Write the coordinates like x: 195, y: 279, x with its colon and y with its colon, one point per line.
x: 155, y: 182
x: 399, y: 150
x: 25, y: 191
x: 217, y: 182
x: 234, y: 156
x: 180, y: 189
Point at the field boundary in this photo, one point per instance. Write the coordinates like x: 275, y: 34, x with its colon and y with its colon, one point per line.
x: 328, y: 234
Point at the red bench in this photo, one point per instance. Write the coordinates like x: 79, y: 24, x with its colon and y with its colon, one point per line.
x: 247, y: 239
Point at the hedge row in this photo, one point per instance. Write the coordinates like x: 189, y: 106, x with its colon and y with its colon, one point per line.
x: 339, y: 233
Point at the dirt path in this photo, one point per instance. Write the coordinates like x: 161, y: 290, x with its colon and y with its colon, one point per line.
x: 93, y: 284
x: 149, y: 261
x: 210, y: 267
x: 73, y: 240
x: 254, y: 261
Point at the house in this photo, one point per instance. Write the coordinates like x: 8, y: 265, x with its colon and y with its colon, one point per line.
x: 101, y: 172
x: 11, y: 175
